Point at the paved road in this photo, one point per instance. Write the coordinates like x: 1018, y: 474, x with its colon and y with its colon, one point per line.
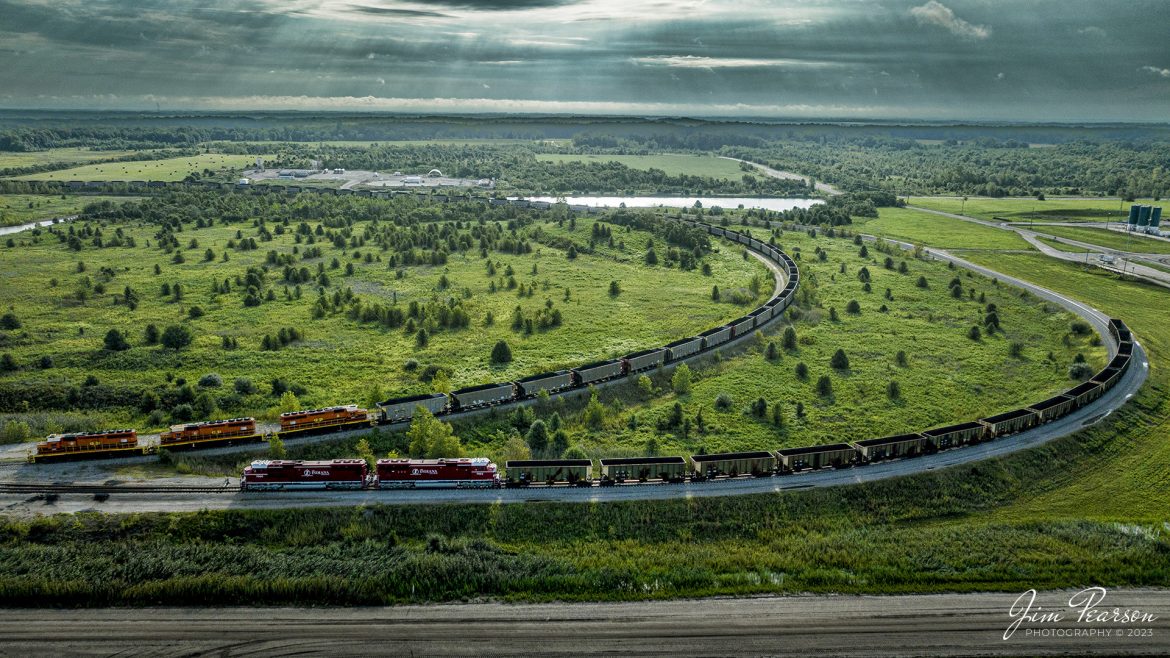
x: 918, y: 625
x: 786, y: 175
x: 1127, y: 262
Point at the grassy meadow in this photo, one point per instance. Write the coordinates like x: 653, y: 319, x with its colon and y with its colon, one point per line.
x: 934, y: 230
x: 342, y: 359
x: 16, y: 209
x: 1029, y: 209
x: 1089, y: 509
x: 59, y: 156
x: 170, y: 169
x: 1110, y: 239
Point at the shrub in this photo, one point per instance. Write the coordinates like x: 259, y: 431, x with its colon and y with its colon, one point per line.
x: 922, y: 282
x: 1080, y: 371
x: 15, y: 431
x: 772, y: 353
x: 410, y: 366
x: 501, y: 353
x: 176, y: 337
x: 1016, y: 350
x: 9, y: 321
x: 244, y: 386
x: 115, y: 341
x: 901, y: 359
x: 680, y: 381
x: 646, y: 386
x: 789, y: 340
x: 537, y: 437
x: 723, y: 402
x: 853, y: 307
x: 974, y: 333
x: 195, y: 312
x: 893, y: 390
x: 824, y: 386
x: 760, y: 408
x: 614, y: 289
x: 1080, y: 328
x: 801, y: 371
x: 151, y: 334
x: 210, y: 380
x: 183, y: 412
x: 839, y: 360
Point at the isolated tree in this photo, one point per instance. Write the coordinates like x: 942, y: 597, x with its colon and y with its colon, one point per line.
x: 921, y: 283
x: 7, y: 363
x: 771, y: 353
x: 276, y: 448
x: 115, y: 341
x: 901, y: 359
x: 974, y: 333
x: 853, y: 307
x: 801, y: 371
x: 501, y: 353
x: 893, y: 390
x: 715, y: 293
x: 789, y: 340
x: 614, y: 289
x: 9, y: 321
x: 824, y: 386
x: 839, y: 360
x: 594, y: 415
x: 176, y: 337
x: 537, y: 437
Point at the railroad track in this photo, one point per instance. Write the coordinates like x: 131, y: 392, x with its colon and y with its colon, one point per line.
x: 53, y: 488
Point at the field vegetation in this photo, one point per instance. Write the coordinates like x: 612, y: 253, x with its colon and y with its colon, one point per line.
x: 1030, y: 209
x: 1115, y: 240
x: 169, y: 169
x: 670, y: 164
x: 16, y: 209
x: 918, y: 227
x: 340, y: 300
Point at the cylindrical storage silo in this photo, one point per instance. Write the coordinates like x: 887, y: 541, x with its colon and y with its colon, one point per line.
x: 1144, y: 217
x: 1134, y: 211
x: 1156, y: 217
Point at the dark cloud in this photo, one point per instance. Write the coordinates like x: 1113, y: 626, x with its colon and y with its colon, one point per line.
x: 396, y: 11
x: 1047, y: 59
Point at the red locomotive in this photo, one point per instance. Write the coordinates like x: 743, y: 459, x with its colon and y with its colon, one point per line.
x: 284, y: 474
x: 462, y: 473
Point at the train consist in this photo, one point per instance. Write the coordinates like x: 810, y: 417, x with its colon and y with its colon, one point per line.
x: 219, y: 433
x: 481, y: 473
x: 344, y: 474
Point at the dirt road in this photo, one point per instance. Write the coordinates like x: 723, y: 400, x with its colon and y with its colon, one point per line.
x: 918, y: 625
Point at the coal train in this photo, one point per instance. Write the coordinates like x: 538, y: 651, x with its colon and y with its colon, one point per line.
x: 237, y: 431
x: 348, y: 474
x: 481, y: 473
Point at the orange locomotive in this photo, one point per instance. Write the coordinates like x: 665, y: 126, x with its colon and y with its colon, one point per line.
x: 85, y: 445
x: 329, y: 419
x: 206, y: 434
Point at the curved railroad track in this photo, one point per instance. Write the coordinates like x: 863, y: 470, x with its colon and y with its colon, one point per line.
x: 183, y: 497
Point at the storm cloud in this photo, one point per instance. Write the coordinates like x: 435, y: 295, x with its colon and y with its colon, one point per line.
x: 956, y: 59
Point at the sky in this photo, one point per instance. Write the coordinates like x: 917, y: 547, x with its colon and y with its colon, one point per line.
x: 1021, y: 60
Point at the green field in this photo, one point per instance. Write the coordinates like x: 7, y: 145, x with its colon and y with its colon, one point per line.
x: 171, y: 169
x: 342, y: 359
x: 1056, y: 244
x: 15, y: 208
x: 59, y: 156
x: 1028, y: 209
x: 1085, y: 510
x: 672, y: 165
x: 1110, y: 239
x: 926, y: 228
